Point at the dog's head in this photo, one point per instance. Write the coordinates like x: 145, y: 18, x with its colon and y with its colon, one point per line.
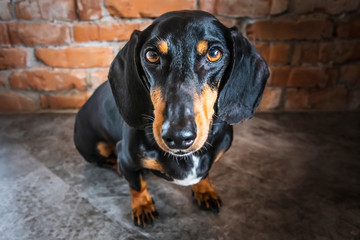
x: 183, y: 71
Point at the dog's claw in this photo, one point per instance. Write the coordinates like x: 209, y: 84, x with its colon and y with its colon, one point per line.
x: 144, y: 215
x: 208, y: 200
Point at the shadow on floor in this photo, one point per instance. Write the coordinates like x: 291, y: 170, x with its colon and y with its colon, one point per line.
x: 287, y: 176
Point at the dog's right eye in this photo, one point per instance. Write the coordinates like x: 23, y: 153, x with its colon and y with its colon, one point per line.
x: 152, y: 56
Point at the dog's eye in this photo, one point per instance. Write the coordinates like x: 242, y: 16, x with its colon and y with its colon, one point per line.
x: 214, y: 54
x: 152, y: 56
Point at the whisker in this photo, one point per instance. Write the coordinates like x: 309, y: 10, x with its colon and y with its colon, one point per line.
x: 208, y: 144
x: 177, y: 161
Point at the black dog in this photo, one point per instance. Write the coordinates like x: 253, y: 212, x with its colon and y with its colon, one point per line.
x: 173, y: 92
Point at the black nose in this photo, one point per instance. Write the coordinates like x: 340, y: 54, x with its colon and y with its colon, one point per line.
x: 176, y: 137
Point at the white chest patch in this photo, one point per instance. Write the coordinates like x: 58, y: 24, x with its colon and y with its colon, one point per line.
x: 192, y: 177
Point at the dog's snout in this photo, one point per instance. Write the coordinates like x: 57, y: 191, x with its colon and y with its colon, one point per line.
x: 179, y: 136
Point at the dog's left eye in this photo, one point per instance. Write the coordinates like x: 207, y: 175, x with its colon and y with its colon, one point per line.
x: 152, y: 56
x: 214, y: 54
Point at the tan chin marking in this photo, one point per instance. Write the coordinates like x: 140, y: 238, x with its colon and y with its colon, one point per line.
x: 204, y: 111
x: 159, y: 108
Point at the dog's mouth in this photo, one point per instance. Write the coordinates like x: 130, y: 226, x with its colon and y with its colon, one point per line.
x: 180, y: 153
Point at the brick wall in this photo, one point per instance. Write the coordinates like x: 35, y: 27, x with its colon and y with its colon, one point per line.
x: 54, y: 53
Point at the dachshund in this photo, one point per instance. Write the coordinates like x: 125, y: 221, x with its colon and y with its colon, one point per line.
x: 173, y: 93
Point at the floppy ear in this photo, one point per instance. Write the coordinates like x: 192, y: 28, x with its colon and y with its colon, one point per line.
x: 247, y: 75
x: 130, y: 91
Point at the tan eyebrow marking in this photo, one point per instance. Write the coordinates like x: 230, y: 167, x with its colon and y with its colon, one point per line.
x: 163, y: 47
x: 202, y: 47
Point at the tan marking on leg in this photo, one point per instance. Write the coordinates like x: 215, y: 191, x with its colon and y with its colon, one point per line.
x: 104, y: 149
x: 159, y: 108
x: 114, y: 164
x: 143, y: 208
x: 163, y: 47
x: 150, y: 163
x: 206, y: 195
x: 202, y: 47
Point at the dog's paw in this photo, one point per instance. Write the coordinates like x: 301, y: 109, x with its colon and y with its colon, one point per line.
x: 208, y: 200
x: 144, y: 213
x: 206, y: 196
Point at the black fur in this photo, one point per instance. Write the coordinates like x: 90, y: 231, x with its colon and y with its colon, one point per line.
x: 246, y: 82
x: 121, y: 113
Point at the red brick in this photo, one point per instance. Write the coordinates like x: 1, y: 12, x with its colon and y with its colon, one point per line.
x: 270, y: 99
x: 279, y: 75
x: 4, y: 36
x: 334, y: 99
x: 263, y: 49
x: 307, y: 76
x: 150, y: 8
x: 326, y: 6
x: 76, y: 57
x: 63, y: 101
x: 279, y: 6
x: 98, y: 77
x: 12, y: 58
x: 12, y: 102
x: 277, y: 53
x: 287, y: 29
x: 89, y: 9
x: 354, y: 100
x: 106, y: 32
x: 296, y: 99
x: 3, y: 79
x: 5, y: 13
x: 242, y: 8
x: 31, y: 34
x: 48, y: 80
x: 350, y: 74
x: 228, y: 22
x: 306, y: 52
x: 236, y: 8
x: 339, y: 51
x: 335, y: 51
x: 331, y: 99
x: 349, y: 28
x: 311, y: 77
x: 46, y: 10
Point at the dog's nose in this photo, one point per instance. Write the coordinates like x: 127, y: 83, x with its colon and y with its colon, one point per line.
x: 177, y: 137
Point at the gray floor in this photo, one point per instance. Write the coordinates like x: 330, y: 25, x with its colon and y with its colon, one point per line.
x: 287, y: 176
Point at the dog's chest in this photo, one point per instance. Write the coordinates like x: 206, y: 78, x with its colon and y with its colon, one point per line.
x: 192, y: 176
x: 182, y: 171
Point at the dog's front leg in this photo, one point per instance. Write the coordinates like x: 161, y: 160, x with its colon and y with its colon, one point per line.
x: 142, y: 204
x: 206, y: 196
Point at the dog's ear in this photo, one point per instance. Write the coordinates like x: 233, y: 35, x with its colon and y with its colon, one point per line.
x: 245, y: 81
x: 130, y: 91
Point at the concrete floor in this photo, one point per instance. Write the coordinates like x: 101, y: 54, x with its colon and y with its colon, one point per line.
x: 287, y: 176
